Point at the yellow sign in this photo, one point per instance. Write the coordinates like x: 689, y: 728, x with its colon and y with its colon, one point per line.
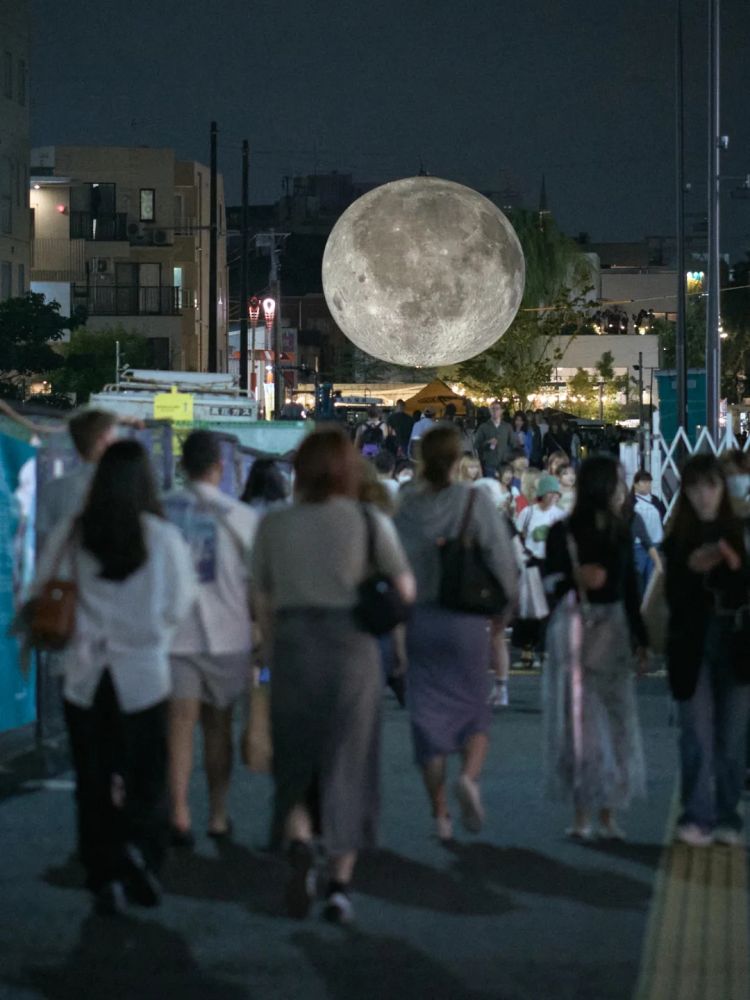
x: 175, y: 406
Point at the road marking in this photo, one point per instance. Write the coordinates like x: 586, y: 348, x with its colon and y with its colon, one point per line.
x: 49, y: 785
x: 697, y: 935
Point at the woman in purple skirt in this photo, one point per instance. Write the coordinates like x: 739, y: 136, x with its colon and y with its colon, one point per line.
x: 448, y: 651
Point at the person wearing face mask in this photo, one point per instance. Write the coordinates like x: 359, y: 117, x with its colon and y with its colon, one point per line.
x: 708, y: 651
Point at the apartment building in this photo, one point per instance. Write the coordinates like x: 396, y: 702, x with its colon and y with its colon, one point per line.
x: 121, y: 235
x: 14, y: 149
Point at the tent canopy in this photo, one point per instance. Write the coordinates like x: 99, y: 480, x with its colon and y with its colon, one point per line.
x: 437, y: 395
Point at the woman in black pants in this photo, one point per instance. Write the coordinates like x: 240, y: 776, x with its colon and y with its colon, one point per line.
x: 135, y: 582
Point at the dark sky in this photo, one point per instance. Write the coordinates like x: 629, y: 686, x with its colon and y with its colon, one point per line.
x: 479, y: 90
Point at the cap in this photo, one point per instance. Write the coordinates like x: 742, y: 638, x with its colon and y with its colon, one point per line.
x: 547, y: 484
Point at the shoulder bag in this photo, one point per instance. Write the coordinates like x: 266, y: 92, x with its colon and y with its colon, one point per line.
x: 50, y: 615
x: 466, y: 582
x: 380, y: 607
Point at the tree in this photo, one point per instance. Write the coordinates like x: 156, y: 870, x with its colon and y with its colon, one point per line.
x: 522, y: 362
x: 735, y: 350
x: 28, y: 327
x: 554, y: 304
x: 89, y: 359
x: 695, y: 336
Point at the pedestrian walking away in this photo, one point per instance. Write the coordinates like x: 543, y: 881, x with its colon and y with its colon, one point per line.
x: 210, y: 657
x: 135, y: 583
x: 708, y: 651
x: 448, y: 651
x: 595, y: 641
x: 308, y: 563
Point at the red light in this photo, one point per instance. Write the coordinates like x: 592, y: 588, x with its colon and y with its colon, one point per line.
x: 62, y: 209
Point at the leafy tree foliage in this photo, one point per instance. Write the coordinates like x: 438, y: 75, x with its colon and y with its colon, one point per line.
x: 89, y: 359
x: 28, y: 327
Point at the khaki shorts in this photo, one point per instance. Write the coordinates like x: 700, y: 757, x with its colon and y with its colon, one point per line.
x: 214, y: 679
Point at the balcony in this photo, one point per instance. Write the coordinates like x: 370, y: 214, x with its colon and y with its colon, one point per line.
x: 107, y: 227
x: 57, y: 260
x: 129, y: 300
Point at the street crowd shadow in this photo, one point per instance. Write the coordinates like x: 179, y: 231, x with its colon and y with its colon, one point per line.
x: 642, y: 853
x: 236, y: 874
x: 386, y: 875
x: 125, y: 959
x: 522, y: 870
x: 370, y: 967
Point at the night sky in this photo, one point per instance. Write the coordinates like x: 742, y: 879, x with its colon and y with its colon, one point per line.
x: 485, y: 92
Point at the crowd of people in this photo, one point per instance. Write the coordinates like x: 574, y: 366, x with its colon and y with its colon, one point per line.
x: 185, y: 601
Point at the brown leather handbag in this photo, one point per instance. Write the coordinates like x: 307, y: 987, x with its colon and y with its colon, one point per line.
x: 51, y: 614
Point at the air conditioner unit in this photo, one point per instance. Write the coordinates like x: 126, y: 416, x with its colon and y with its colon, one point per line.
x: 161, y: 237
x: 100, y: 265
x: 139, y: 236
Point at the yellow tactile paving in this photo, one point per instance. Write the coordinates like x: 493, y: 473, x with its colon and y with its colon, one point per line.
x: 698, y: 932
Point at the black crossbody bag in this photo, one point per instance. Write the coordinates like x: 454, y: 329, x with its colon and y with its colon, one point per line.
x: 466, y: 582
x: 380, y: 607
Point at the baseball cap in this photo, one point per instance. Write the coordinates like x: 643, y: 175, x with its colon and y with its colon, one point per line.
x: 547, y: 484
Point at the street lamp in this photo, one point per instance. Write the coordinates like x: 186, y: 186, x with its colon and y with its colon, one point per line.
x: 253, y: 310
x: 269, y: 311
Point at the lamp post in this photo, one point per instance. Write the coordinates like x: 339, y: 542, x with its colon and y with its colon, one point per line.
x: 269, y: 311
x: 253, y: 310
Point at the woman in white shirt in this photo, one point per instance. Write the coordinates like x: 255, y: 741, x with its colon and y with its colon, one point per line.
x: 135, y: 583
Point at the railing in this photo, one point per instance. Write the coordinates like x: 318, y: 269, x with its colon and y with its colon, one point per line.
x: 104, y: 227
x: 58, y: 260
x: 129, y: 300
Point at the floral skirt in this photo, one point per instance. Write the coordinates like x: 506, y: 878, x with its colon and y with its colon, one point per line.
x: 593, y: 747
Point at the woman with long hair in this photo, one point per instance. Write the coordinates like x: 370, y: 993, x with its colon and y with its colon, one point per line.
x: 135, y: 583
x: 708, y: 651
x: 595, y: 639
x: 448, y: 651
x: 265, y: 485
x: 308, y: 562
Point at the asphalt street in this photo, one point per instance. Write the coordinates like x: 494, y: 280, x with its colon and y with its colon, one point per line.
x: 516, y: 912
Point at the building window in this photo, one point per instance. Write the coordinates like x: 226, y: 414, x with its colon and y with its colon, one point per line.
x: 8, y: 74
x: 6, y: 278
x: 148, y: 204
x: 22, y: 82
x: 21, y: 279
x: 6, y: 195
x: 177, y: 283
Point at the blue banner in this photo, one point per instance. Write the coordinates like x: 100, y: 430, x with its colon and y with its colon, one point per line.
x: 17, y: 511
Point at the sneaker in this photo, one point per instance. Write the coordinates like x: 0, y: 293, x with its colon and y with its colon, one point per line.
x: 612, y: 832
x: 583, y: 834
x: 472, y: 813
x: 111, y: 900
x: 338, y: 908
x: 444, y: 827
x: 498, y: 695
x: 692, y: 835
x: 141, y: 884
x: 302, y: 883
x: 729, y: 836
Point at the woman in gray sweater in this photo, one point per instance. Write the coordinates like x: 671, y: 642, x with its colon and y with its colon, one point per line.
x: 448, y: 651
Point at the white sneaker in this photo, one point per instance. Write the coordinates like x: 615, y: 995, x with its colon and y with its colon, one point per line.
x: 472, y: 812
x: 499, y: 695
x: 729, y: 836
x: 338, y: 908
x: 444, y: 827
x: 580, y: 833
x: 612, y: 832
x: 692, y: 835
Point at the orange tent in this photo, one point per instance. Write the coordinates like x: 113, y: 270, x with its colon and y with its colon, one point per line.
x: 436, y: 395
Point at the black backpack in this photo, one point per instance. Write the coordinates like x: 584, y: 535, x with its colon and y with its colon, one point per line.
x: 372, y: 440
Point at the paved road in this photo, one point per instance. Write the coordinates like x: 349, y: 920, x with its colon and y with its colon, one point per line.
x: 515, y: 913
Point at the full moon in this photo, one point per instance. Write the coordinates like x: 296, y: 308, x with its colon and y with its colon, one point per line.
x: 423, y: 272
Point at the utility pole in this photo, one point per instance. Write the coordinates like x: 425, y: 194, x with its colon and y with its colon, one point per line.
x: 275, y: 281
x: 680, y: 331
x: 213, y: 260
x: 640, y: 395
x: 243, y: 268
x: 715, y: 144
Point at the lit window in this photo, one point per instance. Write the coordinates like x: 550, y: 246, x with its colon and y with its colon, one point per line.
x: 148, y: 204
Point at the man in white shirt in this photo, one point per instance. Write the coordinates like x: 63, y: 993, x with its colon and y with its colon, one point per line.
x: 211, y: 651
x: 61, y: 499
x: 425, y: 423
x: 650, y: 508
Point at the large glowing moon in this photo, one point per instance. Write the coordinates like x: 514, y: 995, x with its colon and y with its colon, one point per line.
x: 423, y: 271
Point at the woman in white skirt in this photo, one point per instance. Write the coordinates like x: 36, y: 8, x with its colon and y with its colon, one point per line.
x: 595, y: 640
